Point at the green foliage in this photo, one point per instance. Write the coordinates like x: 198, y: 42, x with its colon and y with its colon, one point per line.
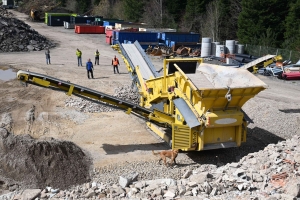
x: 96, y: 2
x: 228, y: 21
x: 175, y: 8
x: 133, y: 9
x: 262, y: 17
x: 292, y: 27
x: 83, y: 6
x: 62, y: 2
x: 194, y: 8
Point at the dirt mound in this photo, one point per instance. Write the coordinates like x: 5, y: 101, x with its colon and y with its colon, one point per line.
x: 34, y: 163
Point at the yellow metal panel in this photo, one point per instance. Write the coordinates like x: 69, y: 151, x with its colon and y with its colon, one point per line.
x: 159, y: 132
x: 224, y: 118
x: 220, y: 134
x: 181, y: 137
x: 201, y: 140
x: 41, y: 82
x: 238, y: 135
x: 70, y: 90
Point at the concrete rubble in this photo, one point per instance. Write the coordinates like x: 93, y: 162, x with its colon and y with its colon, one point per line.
x: 124, y: 92
x: 272, y: 173
x: 17, y: 36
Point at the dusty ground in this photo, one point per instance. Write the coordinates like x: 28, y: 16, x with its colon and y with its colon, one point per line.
x: 110, y: 138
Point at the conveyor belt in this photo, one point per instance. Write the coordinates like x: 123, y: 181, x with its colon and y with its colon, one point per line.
x: 137, y: 57
x: 257, y: 61
x: 48, y: 81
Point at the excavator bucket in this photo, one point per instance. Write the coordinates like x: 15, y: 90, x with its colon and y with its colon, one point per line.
x: 156, y: 51
x: 182, y: 51
x: 149, y: 50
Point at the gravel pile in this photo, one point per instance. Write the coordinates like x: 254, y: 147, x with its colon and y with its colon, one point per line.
x: 17, y: 36
x: 273, y: 173
x: 5, y: 12
x: 29, y: 163
x: 86, y: 105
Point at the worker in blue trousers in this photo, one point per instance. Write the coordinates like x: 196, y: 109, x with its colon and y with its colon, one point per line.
x: 89, y: 68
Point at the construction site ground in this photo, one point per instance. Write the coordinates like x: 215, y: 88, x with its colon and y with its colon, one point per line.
x: 109, y: 137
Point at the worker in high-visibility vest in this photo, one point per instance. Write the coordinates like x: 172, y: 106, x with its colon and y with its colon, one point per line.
x: 79, y: 60
x: 115, y: 63
x: 97, y: 54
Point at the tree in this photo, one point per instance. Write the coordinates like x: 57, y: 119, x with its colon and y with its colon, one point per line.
x: 175, y: 8
x: 83, y: 5
x: 62, y: 2
x: 229, y: 13
x: 103, y: 9
x: 152, y: 15
x: 210, y: 21
x: 96, y: 2
x: 156, y: 15
x: 292, y: 27
x: 133, y: 9
x: 193, y: 11
x: 262, y: 17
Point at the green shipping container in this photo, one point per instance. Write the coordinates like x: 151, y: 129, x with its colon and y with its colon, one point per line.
x: 58, y: 14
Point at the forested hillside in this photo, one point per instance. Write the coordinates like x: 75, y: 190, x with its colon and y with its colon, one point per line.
x: 273, y: 23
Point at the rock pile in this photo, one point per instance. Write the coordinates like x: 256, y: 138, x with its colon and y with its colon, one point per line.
x: 29, y: 163
x: 272, y: 173
x: 5, y: 13
x: 124, y: 92
x: 15, y: 35
x: 127, y: 93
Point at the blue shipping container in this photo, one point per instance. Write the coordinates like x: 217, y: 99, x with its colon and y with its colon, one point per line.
x: 158, y: 35
x: 139, y: 36
x: 114, y: 42
x: 172, y: 43
x: 181, y: 37
x: 109, y: 23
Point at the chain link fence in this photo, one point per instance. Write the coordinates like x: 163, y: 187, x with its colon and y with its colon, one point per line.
x: 260, y: 51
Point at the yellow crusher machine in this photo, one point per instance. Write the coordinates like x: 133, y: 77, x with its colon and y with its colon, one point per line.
x: 200, y: 104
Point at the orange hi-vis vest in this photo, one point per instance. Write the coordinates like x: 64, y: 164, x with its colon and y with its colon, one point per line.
x: 115, y: 61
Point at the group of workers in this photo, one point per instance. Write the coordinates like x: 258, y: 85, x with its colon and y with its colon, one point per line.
x: 89, y: 65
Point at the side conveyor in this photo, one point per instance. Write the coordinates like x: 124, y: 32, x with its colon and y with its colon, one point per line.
x: 70, y: 88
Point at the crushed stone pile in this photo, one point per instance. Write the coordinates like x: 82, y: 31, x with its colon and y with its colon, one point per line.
x: 272, y: 173
x: 29, y: 163
x: 124, y: 92
x: 5, y: 12
x: 16, y: 36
